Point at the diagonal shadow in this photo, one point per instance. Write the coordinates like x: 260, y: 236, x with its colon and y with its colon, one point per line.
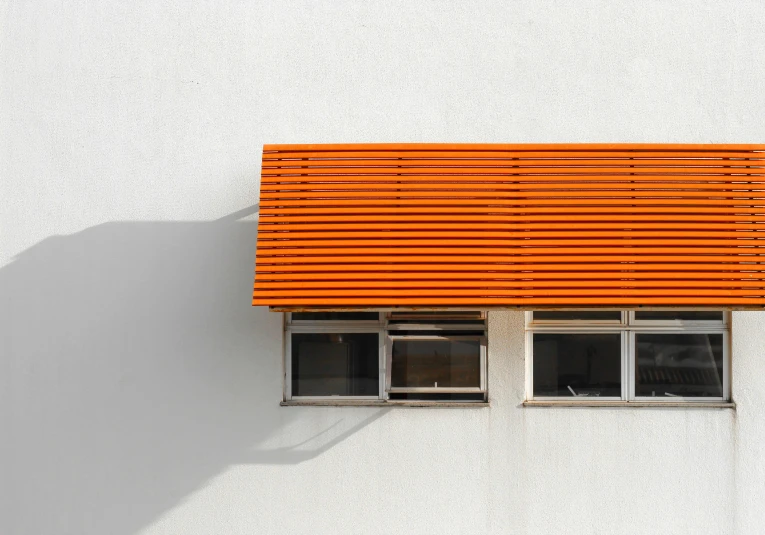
x: 134, y: 369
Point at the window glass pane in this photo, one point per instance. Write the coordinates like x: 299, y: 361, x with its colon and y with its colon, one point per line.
x: 436, y: 317
x: 596, y: 315
x: 436, y: 363
x: 688, y: 365
x: 577, y: 364
x: 402, y: 319
x: 679, y: 315
x: 335, y: 364
x: 335, y: 316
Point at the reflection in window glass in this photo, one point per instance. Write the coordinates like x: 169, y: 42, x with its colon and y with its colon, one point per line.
x: 577, y: 365
x: 335, y: 316
x: 592, y: 315
x: 679, y: 315
x: 335, y: 364
x: 684, y: 365
x: 436, y: 363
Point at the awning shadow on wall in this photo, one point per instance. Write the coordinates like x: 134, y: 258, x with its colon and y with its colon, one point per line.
x: 136, y: 370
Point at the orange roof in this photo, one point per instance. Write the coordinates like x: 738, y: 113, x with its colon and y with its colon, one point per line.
x: 530, y: 226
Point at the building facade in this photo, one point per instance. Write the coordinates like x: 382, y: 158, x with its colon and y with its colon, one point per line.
x: 140, y: 391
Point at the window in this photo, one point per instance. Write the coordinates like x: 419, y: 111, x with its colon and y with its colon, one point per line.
x: 628, y: 356
x: 423, y: 356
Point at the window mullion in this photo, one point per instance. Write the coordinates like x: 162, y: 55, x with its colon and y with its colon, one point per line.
x: 388, y: 357
x: 631, y: 367
x: 726, y: 366
x: 288, y: 364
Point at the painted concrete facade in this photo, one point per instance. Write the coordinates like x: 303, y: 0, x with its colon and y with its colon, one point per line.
x: 139, y: 390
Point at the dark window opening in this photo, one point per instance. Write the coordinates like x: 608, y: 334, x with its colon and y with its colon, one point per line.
x: 335, y: 364
x: 577, y: 365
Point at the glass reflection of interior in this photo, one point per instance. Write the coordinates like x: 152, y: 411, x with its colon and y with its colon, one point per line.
x: 679, y: 365
x: 436, y: 364
x: 684, y: 315
x: 577, y: 365
x: 335, y: 364
x: 591, y: 315
x: 335, y: 316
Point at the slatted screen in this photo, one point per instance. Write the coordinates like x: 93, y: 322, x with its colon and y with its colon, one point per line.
x: 531, y: 226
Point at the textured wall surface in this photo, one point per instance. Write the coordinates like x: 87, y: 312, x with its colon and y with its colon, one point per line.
x: 139, y: 390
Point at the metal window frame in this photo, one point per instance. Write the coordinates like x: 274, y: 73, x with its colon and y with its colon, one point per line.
x: 389, y: 389
x: 383, y: 330
x: 632, y: 364
x: 323, y: 327
x: 628, y: 329
x: 575, y: 330
x: 320, y: 323
x: 679, y: 323
x: 622, y: 321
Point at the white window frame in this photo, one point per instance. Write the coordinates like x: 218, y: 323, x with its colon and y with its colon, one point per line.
x: 389, y: 389
x: 629, y: 328
x: 386, y: 334
x: 331, y: 326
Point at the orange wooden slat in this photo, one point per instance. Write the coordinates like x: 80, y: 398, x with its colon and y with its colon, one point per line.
x: 269, y: 157
x: 507, y: 162
x: 739, y: 204
x: 618, y: 243
x: 553, y: 211
x: 381, y: 274
x: 508, y: 171
x: 529, y: 292
x: 508, y: 225
x: 431, y: 196
x: 519, y: 259
x: 680, y: 187
x: 695, y: 225
x: 759, y: 284
x: 370, y: 302
x: 418, y: 218
x: 265, y: 250
x: 528, y: 234
x: 551, y: 147
x: 485, y: 268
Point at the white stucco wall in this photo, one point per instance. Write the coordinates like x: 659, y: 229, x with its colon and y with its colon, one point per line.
x: 139, y: 390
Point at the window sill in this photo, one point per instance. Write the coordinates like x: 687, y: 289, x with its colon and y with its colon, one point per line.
x: 388, y: 403
x: 636, y: 404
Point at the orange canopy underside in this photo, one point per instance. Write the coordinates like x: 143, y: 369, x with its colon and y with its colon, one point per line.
x: 530, y: 226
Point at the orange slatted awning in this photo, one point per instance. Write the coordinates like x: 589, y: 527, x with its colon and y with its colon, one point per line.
x: 529, y: 226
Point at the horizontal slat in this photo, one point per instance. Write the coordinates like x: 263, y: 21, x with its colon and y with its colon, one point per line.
x: 661, y: 276
x: 509, y: 162
x: 517, y: 259
x: 553, y: 210
x: 351, y: 227
x: 319, y: 285
x: 573, y: 301
x: 582, y: 196
x: 549, y: 147
x: 736, y: 204
x: 643, y: 188
x: 515, y: 179
x: 453, y: 225
x: 529, y: 234
x: 418, y: 218
x: 741, y: 253
x: 483, y: 268
x: 508, y: 171
x: 530, y: 292
x: 269, y: 157
x: 569, y: 242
